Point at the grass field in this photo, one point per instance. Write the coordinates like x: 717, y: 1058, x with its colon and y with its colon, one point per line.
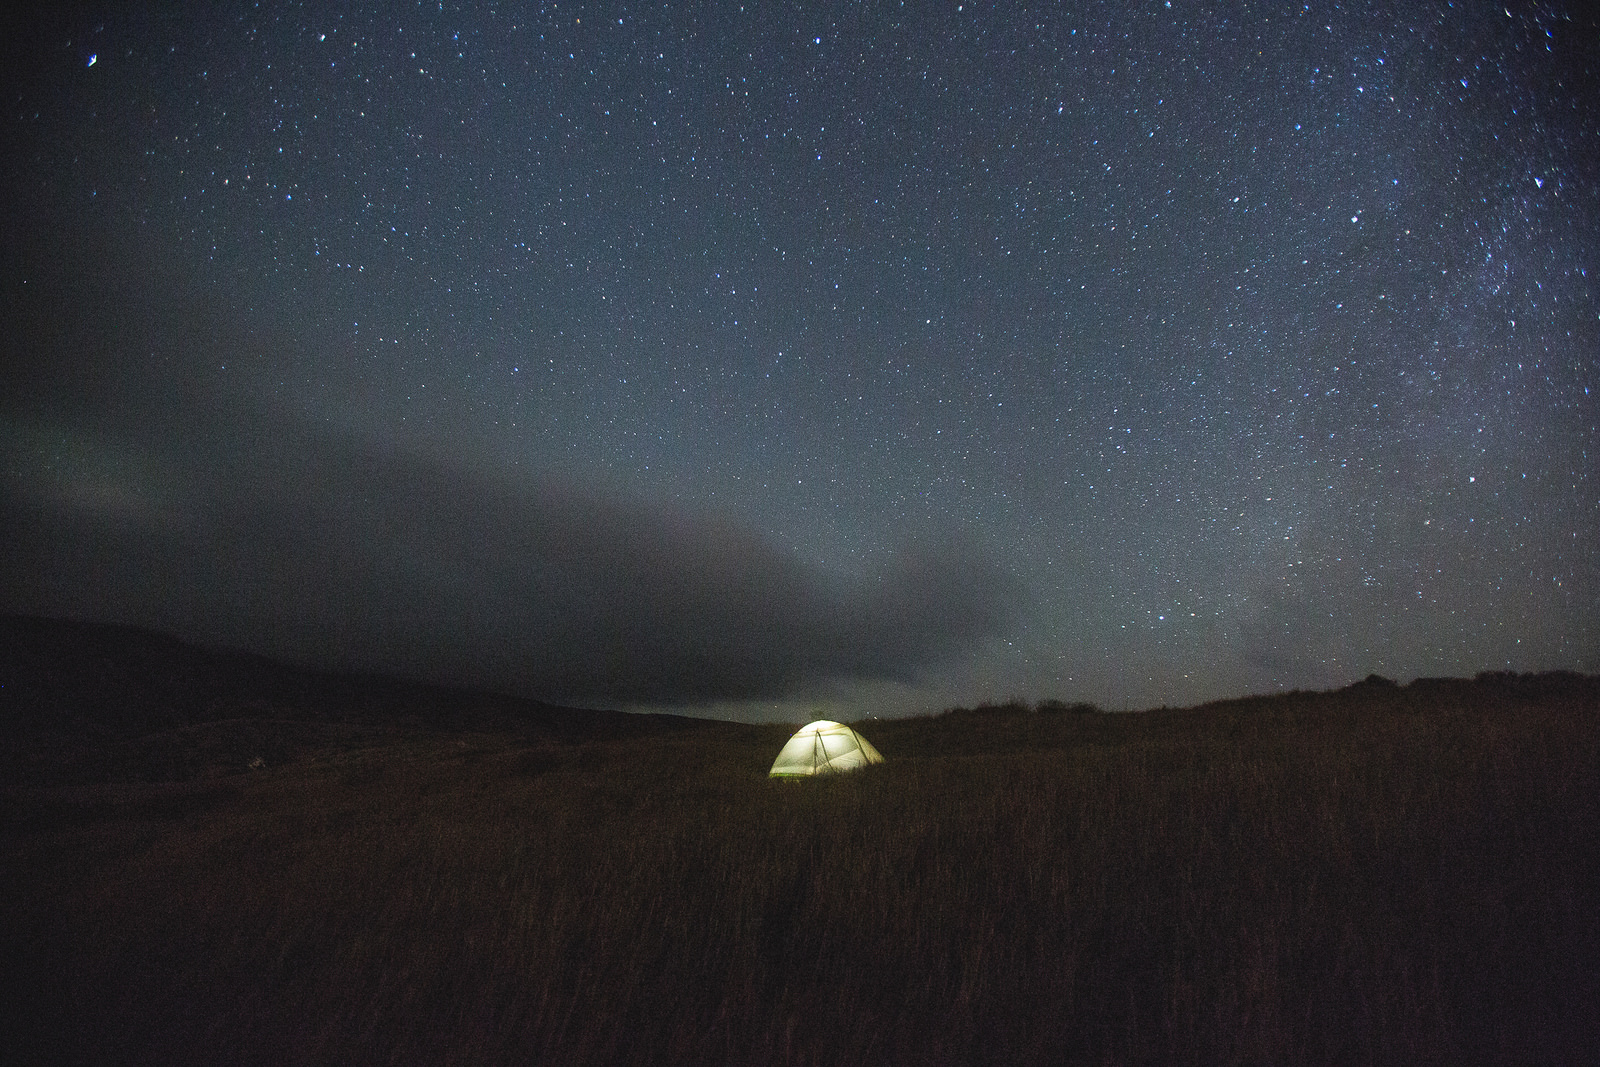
x: 1377, y: 875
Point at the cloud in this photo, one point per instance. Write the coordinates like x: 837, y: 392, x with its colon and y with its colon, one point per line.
x: 311, y: 544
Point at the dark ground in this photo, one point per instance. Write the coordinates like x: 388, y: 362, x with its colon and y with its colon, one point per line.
x: 209, y: 858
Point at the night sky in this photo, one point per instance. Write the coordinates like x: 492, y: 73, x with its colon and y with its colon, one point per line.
x: 786, y: 361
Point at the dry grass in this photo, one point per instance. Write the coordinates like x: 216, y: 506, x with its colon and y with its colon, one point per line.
x: 1381, y: 876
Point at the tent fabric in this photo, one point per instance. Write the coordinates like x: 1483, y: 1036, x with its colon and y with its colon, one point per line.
x: 823, y: 747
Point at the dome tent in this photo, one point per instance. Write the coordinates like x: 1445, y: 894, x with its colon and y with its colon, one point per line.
x: 823, y: 747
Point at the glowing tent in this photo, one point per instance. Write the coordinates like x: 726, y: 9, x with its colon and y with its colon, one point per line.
x: 823, y: 747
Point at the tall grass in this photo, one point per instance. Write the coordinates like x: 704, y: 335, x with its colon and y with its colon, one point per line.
x: 1375, y: 877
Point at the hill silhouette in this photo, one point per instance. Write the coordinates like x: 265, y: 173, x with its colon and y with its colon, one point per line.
x: 84, y: 702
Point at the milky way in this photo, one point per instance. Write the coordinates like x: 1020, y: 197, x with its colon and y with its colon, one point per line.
x: 867, y: 358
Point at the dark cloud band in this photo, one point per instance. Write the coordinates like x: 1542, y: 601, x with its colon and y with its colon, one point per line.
x: 296, y: 541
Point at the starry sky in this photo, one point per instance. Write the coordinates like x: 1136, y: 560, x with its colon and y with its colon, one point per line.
x: 780, y: 360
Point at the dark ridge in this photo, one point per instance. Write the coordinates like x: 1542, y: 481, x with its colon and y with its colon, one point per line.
x: 1054, y: 724
x: 1373, y: 681
x: 1373, y: 688
x: 94, y: 702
